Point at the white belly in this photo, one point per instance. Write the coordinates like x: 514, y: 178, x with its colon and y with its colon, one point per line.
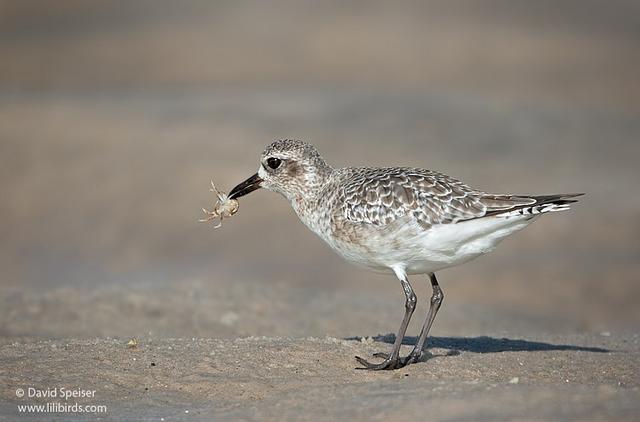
x: 421, y: 251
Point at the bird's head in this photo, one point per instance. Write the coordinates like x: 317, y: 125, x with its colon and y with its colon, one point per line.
x: 294, y: 169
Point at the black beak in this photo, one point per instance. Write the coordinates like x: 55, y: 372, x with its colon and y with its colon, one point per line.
x: 246, y: 187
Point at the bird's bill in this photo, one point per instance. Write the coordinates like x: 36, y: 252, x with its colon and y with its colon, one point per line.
x: 246, y: 187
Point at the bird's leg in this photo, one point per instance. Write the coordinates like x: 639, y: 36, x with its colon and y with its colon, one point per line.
x: 436, y: 301
x: 392, y: 361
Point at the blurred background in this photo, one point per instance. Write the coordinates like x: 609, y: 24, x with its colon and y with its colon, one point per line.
x: 114, y: 116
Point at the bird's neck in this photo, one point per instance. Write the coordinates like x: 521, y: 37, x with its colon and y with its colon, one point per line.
x: 306, y: 201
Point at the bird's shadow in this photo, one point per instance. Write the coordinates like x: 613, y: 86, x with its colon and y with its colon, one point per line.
x: 485, y: 344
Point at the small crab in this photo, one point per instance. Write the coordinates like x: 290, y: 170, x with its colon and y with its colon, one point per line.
x: 224, y: 207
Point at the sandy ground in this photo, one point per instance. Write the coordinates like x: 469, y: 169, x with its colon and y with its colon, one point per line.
x: 114, y: 116
x: 483, y: 363
x: 574, y: 377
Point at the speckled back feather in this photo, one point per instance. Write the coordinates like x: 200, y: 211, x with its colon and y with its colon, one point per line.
x: 380, y: 196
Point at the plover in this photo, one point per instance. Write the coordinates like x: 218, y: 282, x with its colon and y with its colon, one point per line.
x: 401, y: 220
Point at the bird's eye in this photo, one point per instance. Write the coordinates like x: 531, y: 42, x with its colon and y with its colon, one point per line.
x: 273, y: 162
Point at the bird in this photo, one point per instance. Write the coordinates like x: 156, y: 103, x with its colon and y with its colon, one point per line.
x: 400, y: 220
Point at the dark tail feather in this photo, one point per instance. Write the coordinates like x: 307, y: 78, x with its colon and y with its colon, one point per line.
x: 542, y: 204
x: 558, y: 199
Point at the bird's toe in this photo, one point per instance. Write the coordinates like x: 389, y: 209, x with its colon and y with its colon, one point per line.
x: 388, y: 363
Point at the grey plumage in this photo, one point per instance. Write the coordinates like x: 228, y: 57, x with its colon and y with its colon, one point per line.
x: 379, y: 196
x: 399, y: 219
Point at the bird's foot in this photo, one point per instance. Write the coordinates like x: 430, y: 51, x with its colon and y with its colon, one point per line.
x: 413, y: 357
x: 390, y: 363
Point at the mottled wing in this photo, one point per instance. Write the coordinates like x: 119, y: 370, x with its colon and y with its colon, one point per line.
x: 379, y: 196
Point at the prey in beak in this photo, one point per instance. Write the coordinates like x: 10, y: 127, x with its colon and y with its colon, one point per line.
x: 227, y: 205
x: 246, y: 187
